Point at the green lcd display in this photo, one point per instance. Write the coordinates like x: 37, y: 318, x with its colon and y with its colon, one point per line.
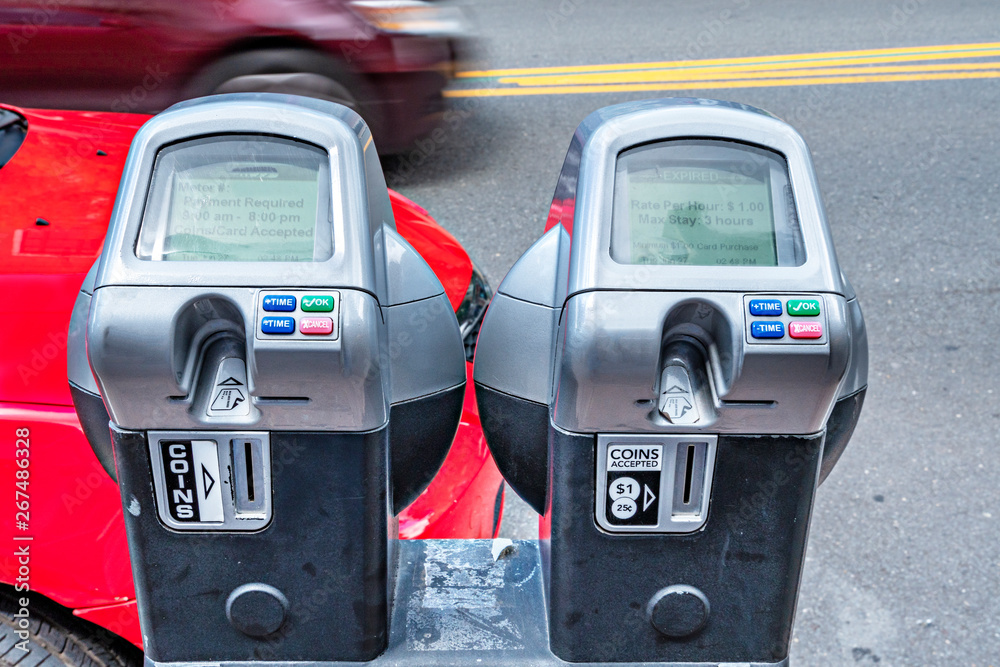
x: 220, y: 212
x: 699, y: 203
x: 238, y: 199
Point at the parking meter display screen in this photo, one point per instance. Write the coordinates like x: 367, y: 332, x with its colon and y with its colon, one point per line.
x: 238, y: 199
x: 704, y: 203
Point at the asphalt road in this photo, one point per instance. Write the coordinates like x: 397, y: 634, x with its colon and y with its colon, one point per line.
x: 903, y: 565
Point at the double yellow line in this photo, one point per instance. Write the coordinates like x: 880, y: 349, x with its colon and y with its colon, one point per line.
x: 801, y: 69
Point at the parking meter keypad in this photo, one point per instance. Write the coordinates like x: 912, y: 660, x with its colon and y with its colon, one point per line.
x: 311, y: 315
x: 785, y: 319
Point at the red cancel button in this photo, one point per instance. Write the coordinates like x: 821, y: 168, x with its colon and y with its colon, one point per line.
x: 805, y: 329
x: 316, y: 326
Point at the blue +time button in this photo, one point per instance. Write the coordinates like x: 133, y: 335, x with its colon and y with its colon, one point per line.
x: 767, y: 329
x: 765, y: 307
x: 277, y: 325
x: 279, y: 302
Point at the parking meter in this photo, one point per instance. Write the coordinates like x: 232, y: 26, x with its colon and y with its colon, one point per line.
x: 663, y: 375
x: 283, y: 374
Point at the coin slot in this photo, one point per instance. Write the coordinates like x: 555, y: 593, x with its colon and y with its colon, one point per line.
x: 250, y: 480
x: 687, y: 474
x: 248, y: 452
x: 689, y: 479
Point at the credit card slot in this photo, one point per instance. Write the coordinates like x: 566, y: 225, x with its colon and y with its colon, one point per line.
x: 282, y: 400
x: 749, y: 404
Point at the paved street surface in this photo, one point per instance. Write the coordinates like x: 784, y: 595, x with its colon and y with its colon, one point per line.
x: 903, y: 564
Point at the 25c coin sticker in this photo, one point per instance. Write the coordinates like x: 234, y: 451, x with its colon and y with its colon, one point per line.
x: 623, y: 508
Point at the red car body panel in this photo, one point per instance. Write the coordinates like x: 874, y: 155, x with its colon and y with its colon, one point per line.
x: 121, y: 619
x: 79, y: 554
x: 450, y: 263
x: 561, y: 213
x: 57, y: 176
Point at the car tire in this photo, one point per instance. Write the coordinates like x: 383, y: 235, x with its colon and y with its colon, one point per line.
x: 56, y: 638
x: 290, y: 72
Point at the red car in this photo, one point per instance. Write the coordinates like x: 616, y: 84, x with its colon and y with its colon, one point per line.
x: 56, y: 195
x: 386, y: 59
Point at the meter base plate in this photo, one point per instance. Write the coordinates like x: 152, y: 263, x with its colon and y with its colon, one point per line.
x: 457, y: 606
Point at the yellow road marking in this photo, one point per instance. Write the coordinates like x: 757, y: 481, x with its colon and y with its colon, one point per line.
x: 709, y: 85
x: 756, y: 72
x: 949, y: 51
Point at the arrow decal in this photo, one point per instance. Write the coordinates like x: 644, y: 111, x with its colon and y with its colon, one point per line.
x: 207, y: 480
x: 647, y: 497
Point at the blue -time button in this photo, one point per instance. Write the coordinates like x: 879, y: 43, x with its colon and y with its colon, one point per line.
x: 279, y: 302
x: 767, y: 329
x: 765, y: 307
x: 277, y: 325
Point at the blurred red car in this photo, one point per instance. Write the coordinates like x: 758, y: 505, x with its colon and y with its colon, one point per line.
x: 386, y: 59
x: 56, y: 195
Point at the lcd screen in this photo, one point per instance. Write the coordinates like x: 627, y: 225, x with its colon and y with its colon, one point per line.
x: 238, y: 199
x: 703, y: 203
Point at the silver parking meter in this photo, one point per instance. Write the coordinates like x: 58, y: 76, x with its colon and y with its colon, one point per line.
x: 666, y: 375
x: 283, y: 374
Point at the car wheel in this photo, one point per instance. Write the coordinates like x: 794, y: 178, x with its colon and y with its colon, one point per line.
x: 289, y: 72
x: 55, y: 638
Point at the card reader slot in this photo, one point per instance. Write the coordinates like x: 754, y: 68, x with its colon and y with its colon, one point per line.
x: 282, y: 400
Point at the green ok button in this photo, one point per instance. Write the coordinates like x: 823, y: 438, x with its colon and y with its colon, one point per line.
x: 796, y: 307
x: 323, y: 303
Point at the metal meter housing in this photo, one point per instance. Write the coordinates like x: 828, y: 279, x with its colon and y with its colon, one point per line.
x: 282, y: 371
x: 635, y: 391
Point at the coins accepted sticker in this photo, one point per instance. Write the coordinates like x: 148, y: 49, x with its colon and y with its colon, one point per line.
x: 191, y: 472
x: 633, y: 474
